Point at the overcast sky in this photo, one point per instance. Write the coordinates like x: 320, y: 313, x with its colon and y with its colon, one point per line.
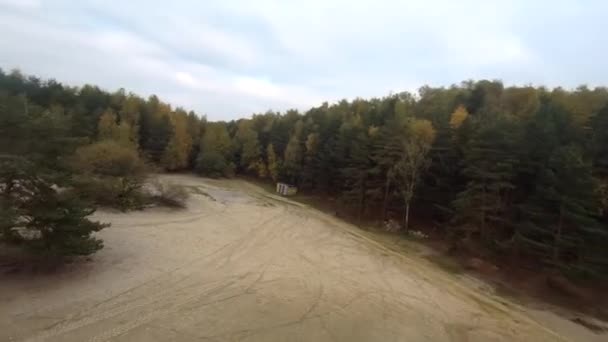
x: 228, y: 59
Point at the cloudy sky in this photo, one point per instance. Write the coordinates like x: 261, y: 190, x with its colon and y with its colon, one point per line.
x: 229, y: 58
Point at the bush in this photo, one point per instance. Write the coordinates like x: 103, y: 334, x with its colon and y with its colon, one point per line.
x: 169, y: 194
x: 110, y: 174
x: 213, y: 164
x: 120, y: 193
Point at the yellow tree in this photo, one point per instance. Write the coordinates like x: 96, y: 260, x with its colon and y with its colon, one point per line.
x: 130, y: 115
x: 413, y: 161
x: 458, y: 117
x: 177, y: 152
x: 109, y: 129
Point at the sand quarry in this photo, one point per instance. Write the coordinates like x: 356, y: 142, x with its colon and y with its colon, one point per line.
x: 241, y: 264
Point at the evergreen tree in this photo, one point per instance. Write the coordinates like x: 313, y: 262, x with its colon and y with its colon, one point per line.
x: 215, y: 153
x: 356, y: 165
x: 490, y: 163
x: 560, y: 221
x: 35, y: 215
x: 387, y: 150
x: 155, y: 129
x: 599, y: 125
x: 293, y: 155
x: 310, y: 162
x: 502, y: 157
x: 248, y: 146
x: 273, y: 163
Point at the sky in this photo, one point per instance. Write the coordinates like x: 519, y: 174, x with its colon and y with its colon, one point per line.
x: 231, y: 58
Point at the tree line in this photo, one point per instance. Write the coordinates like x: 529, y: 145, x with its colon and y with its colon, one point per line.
x: 520, y: 170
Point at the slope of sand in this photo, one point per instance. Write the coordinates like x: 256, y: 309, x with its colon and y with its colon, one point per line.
x: 242, y: 265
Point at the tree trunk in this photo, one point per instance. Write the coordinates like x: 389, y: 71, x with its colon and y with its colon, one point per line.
x: 482, y: 227
x: 386, y: 193
x: 361, y: 204
x: 407, y: 216
x: 558, y: 234
x: 516, y: 249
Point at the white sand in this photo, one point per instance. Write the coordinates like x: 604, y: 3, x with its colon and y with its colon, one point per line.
x: 247, y: 266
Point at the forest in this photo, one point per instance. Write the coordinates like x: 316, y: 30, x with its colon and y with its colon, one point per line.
x: 520, y: 170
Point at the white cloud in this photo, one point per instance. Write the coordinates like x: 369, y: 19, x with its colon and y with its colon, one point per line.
x: 186, y: 79
x: 257, y: 87
x: 231, y: 58
x: 224, y: 45
x: 21, y: 4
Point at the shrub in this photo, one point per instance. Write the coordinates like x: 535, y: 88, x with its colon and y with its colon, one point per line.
x: 110, y: 174
x: 121, y: 193
x: 213, y: 164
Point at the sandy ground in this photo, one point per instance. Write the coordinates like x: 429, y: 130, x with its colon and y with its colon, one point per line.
x: 243, y: 265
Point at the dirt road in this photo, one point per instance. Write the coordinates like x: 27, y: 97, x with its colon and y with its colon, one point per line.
x: 241, y: 265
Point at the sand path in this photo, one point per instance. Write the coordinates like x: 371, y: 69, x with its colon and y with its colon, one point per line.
x: 243, y: 265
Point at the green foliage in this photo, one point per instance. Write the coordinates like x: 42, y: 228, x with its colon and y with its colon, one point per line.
x: 213, y: 164
x: 35, y: 212
x: 560, y: 219
x: 216, y: 138
x: 292, y: 159
x: 215, y: 152
x: 40, y: 218
x: 155, y: 128
x: 490, y: 166
x: 481, y: 160
x: 273, y: 163
x: 599, y: 145
x: 413, y: 161
x: 356, y: 164
x: 248, y: 146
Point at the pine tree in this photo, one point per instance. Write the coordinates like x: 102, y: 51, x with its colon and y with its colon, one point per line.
x: 356, y: 165
x: 155, y: 129
x: 443, y: 180
x: 273, y: 163
x: 387, y: 149
x: 35, y: 215
x: 292, y: 159
x: 310, y: 162
x: 560, y: 221
x: 216, y: 138
x: 599, y: 125
x: 214, y: 158
x: 490, y: 164
x: 248, y: 146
